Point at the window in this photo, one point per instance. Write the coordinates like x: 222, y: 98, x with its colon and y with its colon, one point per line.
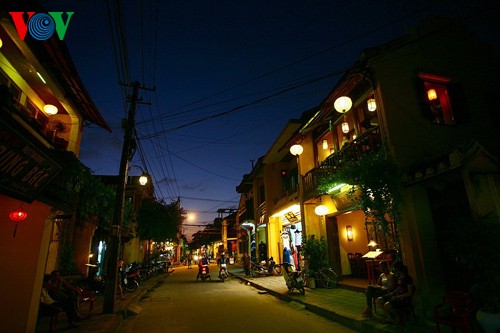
x: 438, y: 106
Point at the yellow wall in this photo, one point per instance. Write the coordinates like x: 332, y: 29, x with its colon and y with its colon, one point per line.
x: 356, y: 220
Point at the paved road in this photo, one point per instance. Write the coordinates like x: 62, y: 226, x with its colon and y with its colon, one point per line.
x: 181, y: 304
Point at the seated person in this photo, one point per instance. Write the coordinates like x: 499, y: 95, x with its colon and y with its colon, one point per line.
x: 400, y: 297
x: 386, y: 283
x: 66, y: 303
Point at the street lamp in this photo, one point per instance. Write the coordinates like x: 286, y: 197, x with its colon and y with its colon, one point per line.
x: 297, y: 151
x: 143, y: 179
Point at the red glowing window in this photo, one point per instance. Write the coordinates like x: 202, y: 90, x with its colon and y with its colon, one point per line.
x: 437, y: 99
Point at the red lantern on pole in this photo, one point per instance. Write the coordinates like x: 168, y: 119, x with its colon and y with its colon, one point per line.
x: 17, y: 216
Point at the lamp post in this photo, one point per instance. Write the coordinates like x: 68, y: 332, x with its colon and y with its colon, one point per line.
x: 297, y: 151
x: 143, y: 179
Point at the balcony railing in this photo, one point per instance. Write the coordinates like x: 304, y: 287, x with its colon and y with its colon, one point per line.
x: 39, y: 125
x: 367, y: 142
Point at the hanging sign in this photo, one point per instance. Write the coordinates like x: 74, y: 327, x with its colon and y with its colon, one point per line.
x: 25, y: 169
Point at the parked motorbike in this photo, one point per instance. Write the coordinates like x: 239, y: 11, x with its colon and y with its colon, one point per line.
x: 265, y: 269
x: 293, y: 279
x: 131, y: 279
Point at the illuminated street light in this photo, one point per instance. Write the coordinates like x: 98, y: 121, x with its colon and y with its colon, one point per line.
x: 297, y: 150
x: 143, y: 179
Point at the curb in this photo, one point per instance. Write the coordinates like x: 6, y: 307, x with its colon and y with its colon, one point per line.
x: 130, y: 307
x: 365, y: 326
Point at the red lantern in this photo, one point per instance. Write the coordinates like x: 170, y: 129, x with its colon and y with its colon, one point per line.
x: 18, y: 215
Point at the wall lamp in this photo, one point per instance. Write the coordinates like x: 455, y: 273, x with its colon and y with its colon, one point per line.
x: 349, y: 232
x: 50, y: 109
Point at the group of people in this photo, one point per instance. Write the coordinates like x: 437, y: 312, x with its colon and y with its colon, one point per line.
x: 223, y: 259
x: 392, y: 292
x: 59, y: 293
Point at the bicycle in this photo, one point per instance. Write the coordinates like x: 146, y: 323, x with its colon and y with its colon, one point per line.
x: 327, y: 278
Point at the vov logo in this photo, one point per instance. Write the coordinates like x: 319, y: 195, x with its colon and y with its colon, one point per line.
x: 41, y: 26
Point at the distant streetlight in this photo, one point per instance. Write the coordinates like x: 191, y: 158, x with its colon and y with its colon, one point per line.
x: 297, y: 150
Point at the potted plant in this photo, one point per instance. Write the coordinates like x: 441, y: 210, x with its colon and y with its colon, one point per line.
x: 315, y: 253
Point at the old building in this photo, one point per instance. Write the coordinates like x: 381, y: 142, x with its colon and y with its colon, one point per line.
x: 44, y: 107
x: 411, y: 128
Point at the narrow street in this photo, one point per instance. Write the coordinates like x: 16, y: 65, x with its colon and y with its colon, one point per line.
x: 182, y: 304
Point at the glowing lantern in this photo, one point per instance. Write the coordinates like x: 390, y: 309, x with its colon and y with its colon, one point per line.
x: 345, y: 127
x: 342, y: 104
x: 17, y: 216
x: 325, y: 144
x: 321, y: 210
x: 431, y: 94
x: 296, y: 150
x: 372, y: 105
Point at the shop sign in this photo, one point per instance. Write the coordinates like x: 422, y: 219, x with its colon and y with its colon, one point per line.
x: 25, y: 169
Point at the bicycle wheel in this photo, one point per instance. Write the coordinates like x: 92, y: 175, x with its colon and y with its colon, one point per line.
x: 321, y: 281
x: 330, y: 278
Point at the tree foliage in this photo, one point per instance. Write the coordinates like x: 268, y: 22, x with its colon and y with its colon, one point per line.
x: 92, y: 196
x: 375, y: 179
x: 159, y: 221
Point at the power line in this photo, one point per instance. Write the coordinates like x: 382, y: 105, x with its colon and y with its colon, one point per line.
x: 206, y: 199
x: 248, y: 104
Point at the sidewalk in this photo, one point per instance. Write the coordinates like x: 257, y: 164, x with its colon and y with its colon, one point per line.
x: 342, y: 305
x: 105, y: 323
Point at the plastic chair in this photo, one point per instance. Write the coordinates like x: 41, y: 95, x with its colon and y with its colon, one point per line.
x: 455, y: 310
x: 46, y: 310
x: 86, y: 296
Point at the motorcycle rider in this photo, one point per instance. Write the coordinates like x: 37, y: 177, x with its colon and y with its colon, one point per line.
x: 222, y: 260
x: 203, y: 262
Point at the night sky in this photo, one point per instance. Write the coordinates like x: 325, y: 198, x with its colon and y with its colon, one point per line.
x: 228, y: 75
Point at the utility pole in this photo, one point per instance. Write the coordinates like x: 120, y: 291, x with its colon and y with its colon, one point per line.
x: 114, y: 244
